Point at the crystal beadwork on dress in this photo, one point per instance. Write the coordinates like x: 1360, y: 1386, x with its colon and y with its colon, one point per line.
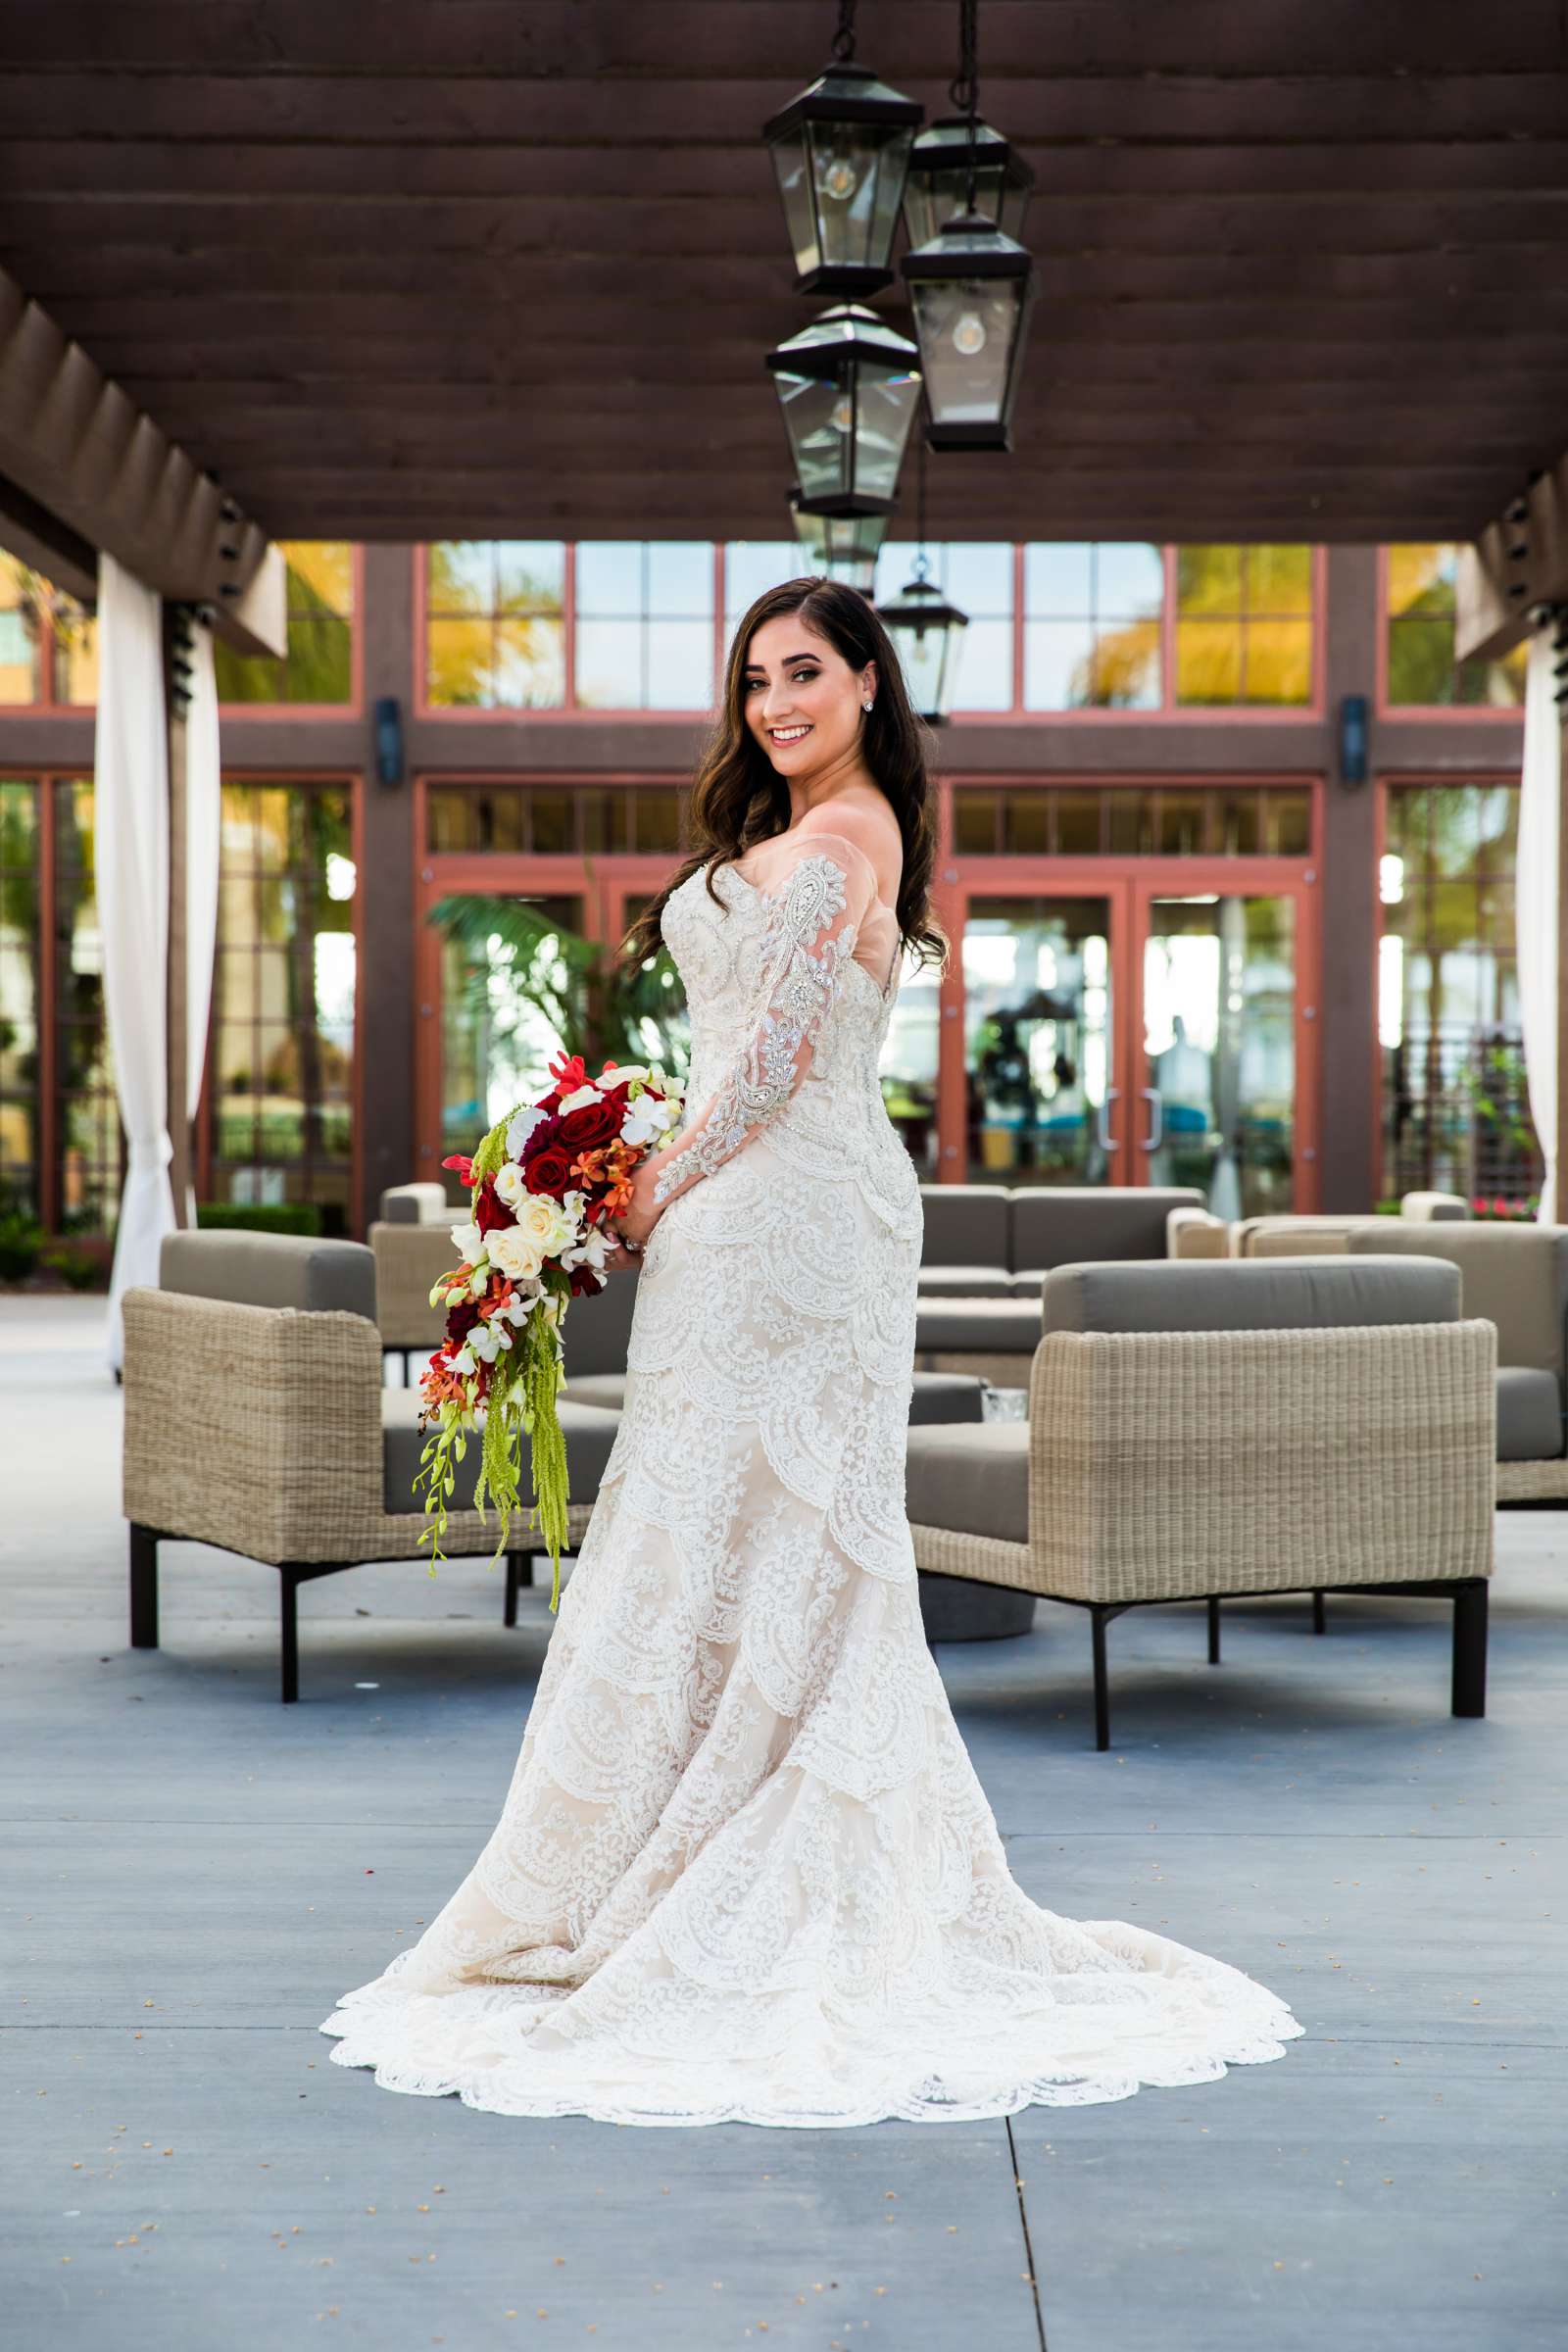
x: 745, y: 1871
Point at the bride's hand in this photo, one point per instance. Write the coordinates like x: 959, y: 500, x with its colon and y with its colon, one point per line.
x: 636, y: 1223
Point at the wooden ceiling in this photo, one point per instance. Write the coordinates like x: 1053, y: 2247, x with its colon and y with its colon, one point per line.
x: 417, y: 269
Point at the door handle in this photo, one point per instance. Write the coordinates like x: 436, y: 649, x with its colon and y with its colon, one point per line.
x: 1157, y: 1117
x: 1108, y: 1142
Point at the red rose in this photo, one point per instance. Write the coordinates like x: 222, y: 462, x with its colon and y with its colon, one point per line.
x: 490, y: 1210
x: 597, y: 1122
x: 461, y: 1320
x: 549, y: 1170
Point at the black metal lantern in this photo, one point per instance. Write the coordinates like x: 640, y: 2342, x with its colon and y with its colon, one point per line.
x: 842, y: 547
x: 928, y: 633
x: 961, y: 166
x: 849, y: 386
x: 841, y: 150
x: 971, y: 287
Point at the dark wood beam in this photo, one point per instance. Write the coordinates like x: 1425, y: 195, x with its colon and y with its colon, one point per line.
x: 76, y: 445
x: 1517, y: 561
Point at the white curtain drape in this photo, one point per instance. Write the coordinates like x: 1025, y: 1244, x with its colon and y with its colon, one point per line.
x: 203, y: 821
x: 131, y: 810
x: 1537, y: 912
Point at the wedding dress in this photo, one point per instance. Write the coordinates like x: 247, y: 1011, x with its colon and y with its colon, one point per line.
x: 745, y: 1871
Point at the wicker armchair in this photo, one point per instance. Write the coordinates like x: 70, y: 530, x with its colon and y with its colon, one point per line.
x: 256, y: 1420
x: 1197, y: 1431
x: 410, y: 1261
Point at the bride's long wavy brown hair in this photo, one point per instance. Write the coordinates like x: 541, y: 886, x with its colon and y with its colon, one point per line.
x: 739, y: 798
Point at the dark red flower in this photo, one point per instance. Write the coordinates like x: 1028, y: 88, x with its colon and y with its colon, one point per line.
x: 461, y: 1320
x: 549, y: 1170
x: 595, y: 1122
x: 490, y: 1210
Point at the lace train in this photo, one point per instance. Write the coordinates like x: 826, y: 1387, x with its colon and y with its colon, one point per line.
x: 745, y: 1871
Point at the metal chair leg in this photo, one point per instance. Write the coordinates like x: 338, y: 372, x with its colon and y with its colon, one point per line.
x: 519, y: 1572
x: 1213, y: 1628
x: 1097, y: 1618
x: 1320, y: 1613
x: 290, y: 1587
x: 1470, y: 1646
x: 143, y: 1588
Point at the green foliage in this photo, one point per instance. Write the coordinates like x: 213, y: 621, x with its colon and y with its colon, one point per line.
x: 22, y: 1241
x: 270, y: 1217
x: 607, y: 1009
x: 77, y: 1269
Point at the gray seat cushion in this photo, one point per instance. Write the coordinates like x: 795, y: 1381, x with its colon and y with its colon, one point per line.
x: 418, y: 1204
x: 947, y: 1397
x: 607, y: 1389
x: 1067, y: 1225
x: 589, y: 1432
x: 1515, y: 1276
x: 270, y: 1269
x: 974, y: 1326
x: 599, y: 1327
x: 973, y: 1481
x: 965, y: 1225
x: 966, y: 1282
x: 1529, y: 1415
x: 1275, y: 1293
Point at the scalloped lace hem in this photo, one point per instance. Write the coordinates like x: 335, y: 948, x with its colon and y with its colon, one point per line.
x: 994, y: 2063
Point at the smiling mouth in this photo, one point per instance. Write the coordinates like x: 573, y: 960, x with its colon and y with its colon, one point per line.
x: 788, y: 734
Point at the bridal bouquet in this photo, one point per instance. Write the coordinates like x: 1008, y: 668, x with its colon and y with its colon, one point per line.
x: 543, y: 1184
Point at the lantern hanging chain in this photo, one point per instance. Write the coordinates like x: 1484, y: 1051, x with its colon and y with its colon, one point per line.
x: 922, y: 566
x: 844, y: 38
x: 964, y: 89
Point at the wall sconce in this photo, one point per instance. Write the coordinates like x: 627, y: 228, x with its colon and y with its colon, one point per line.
x: 1352, y: 739
x: 388, y: 740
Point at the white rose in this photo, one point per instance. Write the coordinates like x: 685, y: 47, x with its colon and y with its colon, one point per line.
x: 512, y: 1186
x: 520, y: 1128
x: 629, y: 1073
x: 518, y: 1253
x: 468, y: 1242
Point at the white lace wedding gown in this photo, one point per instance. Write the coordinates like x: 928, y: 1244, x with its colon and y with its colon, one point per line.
x: 745, y: 1871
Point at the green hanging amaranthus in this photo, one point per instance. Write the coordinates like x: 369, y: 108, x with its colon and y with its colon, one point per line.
x: 522, y: 1392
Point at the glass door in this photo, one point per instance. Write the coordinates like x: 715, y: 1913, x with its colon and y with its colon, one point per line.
x: 1041, y: 1014
x: 1224, y: 1031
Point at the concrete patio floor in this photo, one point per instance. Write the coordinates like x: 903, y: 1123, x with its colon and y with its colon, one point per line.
x: 195, y: 1871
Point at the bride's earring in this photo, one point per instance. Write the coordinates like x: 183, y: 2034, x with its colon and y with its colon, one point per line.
x: 866, y: 706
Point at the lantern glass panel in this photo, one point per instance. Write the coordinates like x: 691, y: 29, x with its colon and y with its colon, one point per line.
x: 858, y: 173
x: 932, y: 198
x: 887, y: 403
x: 791, y: 157
x: 820, y: 419
x: 967, y: 328
x: 929, y: 656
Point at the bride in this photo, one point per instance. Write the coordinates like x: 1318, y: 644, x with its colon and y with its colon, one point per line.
x: 745, y: 1871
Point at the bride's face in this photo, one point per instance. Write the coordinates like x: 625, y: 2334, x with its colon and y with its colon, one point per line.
x: 804, y: 703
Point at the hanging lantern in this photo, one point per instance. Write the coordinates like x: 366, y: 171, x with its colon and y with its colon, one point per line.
x: 842, y: 547
x: 971, y: 289
x: 848, y: 385
x: 841, y: 150
x: 940, y: 183
x: 928, y: 633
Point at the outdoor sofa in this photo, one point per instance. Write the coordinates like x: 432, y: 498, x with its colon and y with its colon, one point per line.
x: 989, y: 1246
x: 1512, y: 1275
x: 1197, y: 1431
x: 256, y: 1420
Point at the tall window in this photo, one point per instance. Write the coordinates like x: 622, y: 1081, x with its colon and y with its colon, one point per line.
x: 281, y: 1057
x: 1093, y: 636
x: 1422, y: 671
x: 59, y: 1143
x: 1243, y: 625
x: 644, y: 635
x: 319, y: 665
x: 48, y: 644
x: 977, y: 575
x: 494, y: 625
x: 1455, y: 1114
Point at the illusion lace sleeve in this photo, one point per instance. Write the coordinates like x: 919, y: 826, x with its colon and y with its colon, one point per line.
x: 818, y: 892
